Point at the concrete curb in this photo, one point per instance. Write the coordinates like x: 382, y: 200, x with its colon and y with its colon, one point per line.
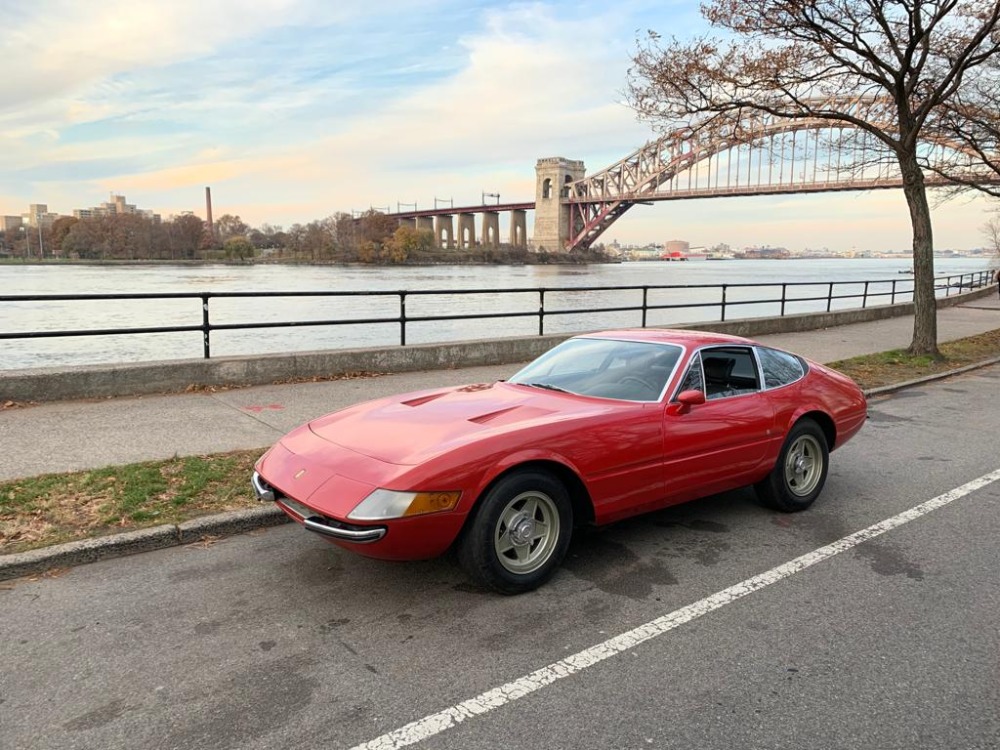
x: 242, y: 521
x: 142, y: 540
x: 885, y: 389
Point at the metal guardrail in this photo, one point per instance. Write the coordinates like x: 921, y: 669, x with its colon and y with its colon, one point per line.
x: 871, y: 290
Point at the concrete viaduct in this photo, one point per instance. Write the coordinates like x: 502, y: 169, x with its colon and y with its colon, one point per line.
x: 455, y: 227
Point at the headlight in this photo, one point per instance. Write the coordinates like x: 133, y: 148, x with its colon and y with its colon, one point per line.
x: 383, y: 504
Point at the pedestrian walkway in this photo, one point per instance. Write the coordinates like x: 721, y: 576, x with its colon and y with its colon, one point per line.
x: 75, y: 435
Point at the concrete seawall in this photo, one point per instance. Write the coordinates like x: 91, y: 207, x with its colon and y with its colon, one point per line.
x: 103, y: 381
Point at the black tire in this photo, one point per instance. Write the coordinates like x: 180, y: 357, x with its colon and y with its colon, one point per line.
x: 519, y: 533
x: 800, y: 472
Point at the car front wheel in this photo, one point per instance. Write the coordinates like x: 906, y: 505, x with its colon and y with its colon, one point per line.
x: 519, y: 534
x: 799, y: 474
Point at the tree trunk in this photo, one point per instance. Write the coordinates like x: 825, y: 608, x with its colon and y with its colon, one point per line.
x: 924, y: 302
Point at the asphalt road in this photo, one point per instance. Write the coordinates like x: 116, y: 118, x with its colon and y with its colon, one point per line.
x: 277, y: 640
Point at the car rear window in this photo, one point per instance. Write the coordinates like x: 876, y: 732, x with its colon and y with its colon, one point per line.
x: 780, y: 368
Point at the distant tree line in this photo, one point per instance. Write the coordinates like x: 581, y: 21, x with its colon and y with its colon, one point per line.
x: 373, y: 238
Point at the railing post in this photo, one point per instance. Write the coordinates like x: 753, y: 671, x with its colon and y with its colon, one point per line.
x: 724, y: 303
x: 205, y: 327
x: 864, y: 299
x: 893, y: 298
x: 645, y: 292
x: 402, y: 318
x: 829, y: 297
x: 541, y: 312
x: 784, y: 289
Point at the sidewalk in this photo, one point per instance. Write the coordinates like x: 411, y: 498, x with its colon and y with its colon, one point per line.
x: 75, y: 435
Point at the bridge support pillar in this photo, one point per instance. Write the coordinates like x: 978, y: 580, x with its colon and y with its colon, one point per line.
x: 552, y: 215
x: 412, y: 223
x: 518, y: 228
x: 466, y: 231
x: 491, y: 229
x: 425, y: 222
x: 444, y: 231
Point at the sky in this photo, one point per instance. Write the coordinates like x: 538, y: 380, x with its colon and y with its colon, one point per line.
x: 292, y: 110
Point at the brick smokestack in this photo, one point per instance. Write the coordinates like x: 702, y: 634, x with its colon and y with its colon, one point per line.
x: 208, y: 212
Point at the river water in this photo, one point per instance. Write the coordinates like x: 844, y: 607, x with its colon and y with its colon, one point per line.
x: 114, y: 279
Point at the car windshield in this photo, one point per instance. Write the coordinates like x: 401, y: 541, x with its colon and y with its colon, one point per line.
x: 604, y: 368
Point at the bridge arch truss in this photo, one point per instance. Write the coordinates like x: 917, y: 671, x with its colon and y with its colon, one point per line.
x: 773, y: 157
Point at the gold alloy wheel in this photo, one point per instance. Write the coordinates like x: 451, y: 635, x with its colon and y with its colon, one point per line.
x: 527, y: 532
x: 803, y: 465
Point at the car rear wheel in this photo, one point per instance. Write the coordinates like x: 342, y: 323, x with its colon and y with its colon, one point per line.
x: 799, y: 474
x: 519, y: 533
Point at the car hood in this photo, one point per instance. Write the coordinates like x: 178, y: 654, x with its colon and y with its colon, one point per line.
x: 411, y: 428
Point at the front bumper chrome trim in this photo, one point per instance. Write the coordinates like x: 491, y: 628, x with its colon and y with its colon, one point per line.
x: 261, y: 490
x: 359, y: 536
x: 313, y: 521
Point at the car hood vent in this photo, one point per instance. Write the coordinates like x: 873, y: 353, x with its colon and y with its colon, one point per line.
x: 422, y: 400
x: 510, y: 415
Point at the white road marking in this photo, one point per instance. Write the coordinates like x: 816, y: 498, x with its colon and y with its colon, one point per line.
x: 498, y: 697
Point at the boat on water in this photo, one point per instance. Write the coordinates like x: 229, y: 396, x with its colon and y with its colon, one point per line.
x: 683, y: 256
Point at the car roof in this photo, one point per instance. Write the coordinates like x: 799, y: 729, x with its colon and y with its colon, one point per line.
x: 684, y: 337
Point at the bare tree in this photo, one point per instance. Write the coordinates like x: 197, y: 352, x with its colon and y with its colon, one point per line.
x: 970, y: 121
x: 886, y: 68
x: 375, y: 226
x: 317, y: 241
x: 227, y: 226
x: 991, y: 231
x: 186, y: 232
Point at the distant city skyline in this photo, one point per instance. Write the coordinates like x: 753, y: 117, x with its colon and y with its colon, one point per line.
x: 295, y: 109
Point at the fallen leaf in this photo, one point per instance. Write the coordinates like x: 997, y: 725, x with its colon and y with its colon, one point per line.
x: 204, y: 542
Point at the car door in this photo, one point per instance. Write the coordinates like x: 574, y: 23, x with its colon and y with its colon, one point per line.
x: 720, y: 444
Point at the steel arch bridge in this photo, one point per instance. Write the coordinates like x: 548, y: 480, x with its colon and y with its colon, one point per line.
x: 767, y: 157
x: 761, y: 155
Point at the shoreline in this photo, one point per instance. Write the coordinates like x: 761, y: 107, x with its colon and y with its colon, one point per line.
x: 63, y: 262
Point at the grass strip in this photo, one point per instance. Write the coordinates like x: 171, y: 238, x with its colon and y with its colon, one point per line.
x: 55, y: 508
x: 896, y: 366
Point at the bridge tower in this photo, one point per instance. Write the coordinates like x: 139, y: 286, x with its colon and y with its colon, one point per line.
x: 552, y: 216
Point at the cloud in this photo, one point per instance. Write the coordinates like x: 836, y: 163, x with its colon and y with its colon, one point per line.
x: 59, y: 46
x: 294, y: 109
x: 522, y: 95
x: 515, y: 97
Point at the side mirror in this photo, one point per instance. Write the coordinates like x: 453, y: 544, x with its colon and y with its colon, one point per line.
x: 685, y: 400
x: 691, y: 398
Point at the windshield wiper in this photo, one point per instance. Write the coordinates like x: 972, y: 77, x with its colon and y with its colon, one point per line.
x: 546, y: 386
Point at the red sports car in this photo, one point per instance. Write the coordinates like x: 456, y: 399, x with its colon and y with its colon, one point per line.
x: 601, y: 427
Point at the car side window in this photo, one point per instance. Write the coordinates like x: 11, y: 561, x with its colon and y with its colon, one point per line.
x: 780, y: 368
x: 729, y: 371
x: 693, y: 380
